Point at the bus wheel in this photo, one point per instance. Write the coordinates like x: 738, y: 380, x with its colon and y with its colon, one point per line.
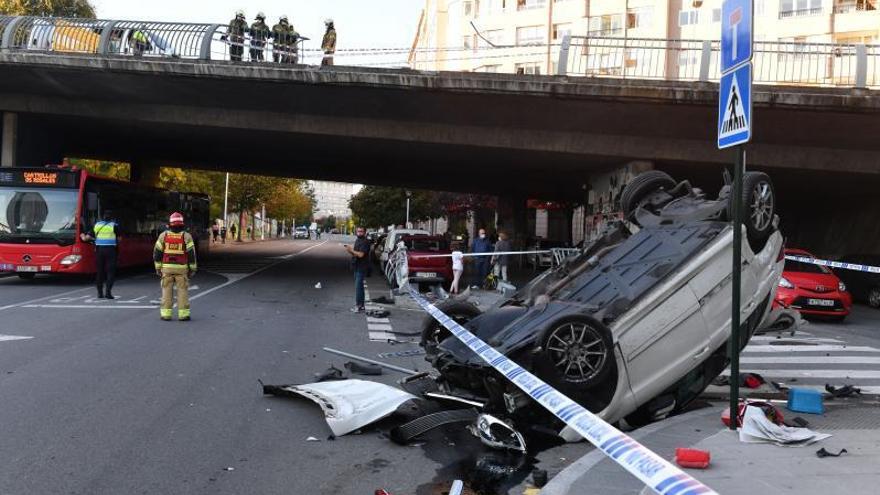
x: 27, y: 276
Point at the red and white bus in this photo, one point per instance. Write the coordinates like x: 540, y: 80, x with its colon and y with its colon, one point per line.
x: 43, y: 211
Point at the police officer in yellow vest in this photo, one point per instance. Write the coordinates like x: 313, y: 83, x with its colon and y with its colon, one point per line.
x: 106, y: 250
x: 175, y: 259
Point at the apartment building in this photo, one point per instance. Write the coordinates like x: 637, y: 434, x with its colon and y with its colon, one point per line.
x: 332, y: 198
x: 523, y: 36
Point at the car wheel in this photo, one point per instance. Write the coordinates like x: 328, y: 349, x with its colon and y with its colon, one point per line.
x: 577, y: 351
x: 433, y: 332
x: 874, y: 297
x: 641, y: 186
x: 759, y: 203
x: 26, y: 276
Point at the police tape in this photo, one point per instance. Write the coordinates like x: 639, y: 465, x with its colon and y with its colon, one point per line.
x: 469, y: 255
x: 656, y: 472
x: 835, y: 264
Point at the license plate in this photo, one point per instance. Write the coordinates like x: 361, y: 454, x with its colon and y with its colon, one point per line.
x: 426, y: 274
x: 820, y: 302
x: 6, y: 267
x: 27, y: 269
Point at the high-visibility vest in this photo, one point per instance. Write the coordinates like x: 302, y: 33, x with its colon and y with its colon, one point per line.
x: 174, y: 252
x: 105, y: 234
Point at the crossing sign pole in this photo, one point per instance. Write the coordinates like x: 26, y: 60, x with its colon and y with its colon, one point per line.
x: 735, y: 129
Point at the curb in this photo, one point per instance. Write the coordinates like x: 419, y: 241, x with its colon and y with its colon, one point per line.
x: 562, y: 483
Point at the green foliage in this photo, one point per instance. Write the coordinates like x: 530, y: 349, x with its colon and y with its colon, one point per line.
x: 380, y: 206
x: 45, y: 8
x: 290, y: 201
x: 115, y: 170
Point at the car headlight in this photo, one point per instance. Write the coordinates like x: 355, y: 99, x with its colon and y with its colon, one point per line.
x: 785, y: 284
x: 71, y: 259
x: 841, y: 287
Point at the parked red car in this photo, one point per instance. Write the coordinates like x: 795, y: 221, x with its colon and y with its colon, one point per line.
x: 813, y: 290
x: 425, y: 270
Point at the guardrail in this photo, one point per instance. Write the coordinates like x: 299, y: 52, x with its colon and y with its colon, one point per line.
x: 813, y: 64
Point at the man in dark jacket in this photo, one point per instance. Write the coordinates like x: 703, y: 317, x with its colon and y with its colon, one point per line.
x: 360, y: 263
x: 481, y: 244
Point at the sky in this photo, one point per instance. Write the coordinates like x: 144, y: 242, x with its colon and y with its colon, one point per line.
x: 359, y: 23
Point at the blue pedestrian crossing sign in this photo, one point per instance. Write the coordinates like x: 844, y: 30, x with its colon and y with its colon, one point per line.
x: 736, y: 33
x: 735, y: 107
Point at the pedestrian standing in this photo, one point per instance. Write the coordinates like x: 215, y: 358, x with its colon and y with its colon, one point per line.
x: 328, y: 45
x: 501, y: 261
x: 233, y: 229
x: 259, y: 34
x: 106, y: 237
x: 175, y: 259
x: 360, y: 264
x: 481, y: 264
x: 223, y: 234
x: 281, y: 41
x: 235, y: 36
x: 215, y: 232
x: 457, y: 268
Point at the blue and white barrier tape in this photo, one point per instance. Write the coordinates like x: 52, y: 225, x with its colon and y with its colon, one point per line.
x: 656, y: 472
x: 835, y: 264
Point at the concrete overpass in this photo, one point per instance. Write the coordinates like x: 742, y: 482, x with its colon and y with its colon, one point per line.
x: 514, y: 135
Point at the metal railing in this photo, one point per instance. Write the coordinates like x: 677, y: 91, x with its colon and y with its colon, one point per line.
x: 813, y: 64
x: 787, y: 14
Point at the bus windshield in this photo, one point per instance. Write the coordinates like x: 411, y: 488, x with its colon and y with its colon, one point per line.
x: 38, y: 215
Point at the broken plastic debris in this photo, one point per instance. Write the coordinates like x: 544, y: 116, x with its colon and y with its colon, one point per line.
x: 318, y: 285
x: 497, y: 434
x: 824, y: 453
x: 539, y: 477
x: 312, y: 439
x: 693, y: 458
x: 230, y: 468
x: 331, y: 373
x: 348, y: 404
x: 457, y: 487
x: 363, y: 369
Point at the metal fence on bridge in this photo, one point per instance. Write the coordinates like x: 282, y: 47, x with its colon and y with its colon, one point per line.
x: 810, y: 64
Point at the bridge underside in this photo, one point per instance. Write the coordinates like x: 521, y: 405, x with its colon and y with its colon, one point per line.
x: 518, y: 136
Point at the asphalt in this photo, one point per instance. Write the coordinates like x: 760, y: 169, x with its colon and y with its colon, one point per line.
x: 101, y: 397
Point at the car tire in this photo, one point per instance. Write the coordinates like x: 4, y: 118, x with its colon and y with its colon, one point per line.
x: 433, y: 332
x: 759, y: 203
x: 874, y: 297
x: 641, y: 186
x: 27, y: 276
x: 580, y: 341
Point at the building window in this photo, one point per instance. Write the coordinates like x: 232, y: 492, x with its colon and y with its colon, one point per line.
x: 467, y: 43
x: 688, y: 17
x: 639, y: 17
x: 530, y: 4
x: 716, y: 15
x: 533, y: 68
x: 560, y: 31
x: 797, y: 8
x: 606, y: 25
x: 847, y: 6
x: 760, y: 8
x: 468, y: 8
x: 493, y: 37
x: 490, y: 7
x: 530, y: 35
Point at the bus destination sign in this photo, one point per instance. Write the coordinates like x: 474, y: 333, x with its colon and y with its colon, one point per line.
x: 39, y: 178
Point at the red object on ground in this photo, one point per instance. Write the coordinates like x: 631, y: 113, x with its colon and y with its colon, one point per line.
x: 813, y: 290
x: 382, y: 492
x: 772, y: 412
x: 752, y: 381
x: 692, y: 458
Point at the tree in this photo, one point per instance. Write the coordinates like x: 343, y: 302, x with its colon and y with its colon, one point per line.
x: 248, y: 192
x: 289, y: 201
x: 379, y: 206
x: 115, y: 170
x: 46, y: 8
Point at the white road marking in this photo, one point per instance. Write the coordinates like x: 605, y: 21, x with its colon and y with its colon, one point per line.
x: 845, y: 374
x: 806, y: 348
x: 85, y: 306
x: 370, y: 319
x: 41, y: 299
x: 239, y: 279
x: 869, y: 390
x: 13, y: 337
x: 811, y: 360
x: 377, y: 326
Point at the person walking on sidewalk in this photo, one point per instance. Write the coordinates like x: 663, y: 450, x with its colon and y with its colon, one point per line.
x: 502, y: 260
x: 481, y: 245
x: 106, y: 237
x: 360, y: 263
x: 175, y: 259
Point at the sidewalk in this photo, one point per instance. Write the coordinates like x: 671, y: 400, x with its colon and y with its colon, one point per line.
x: 739, y: 468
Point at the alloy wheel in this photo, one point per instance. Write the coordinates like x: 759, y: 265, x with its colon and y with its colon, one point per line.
x: 578, y: 351
x: 762, y: 206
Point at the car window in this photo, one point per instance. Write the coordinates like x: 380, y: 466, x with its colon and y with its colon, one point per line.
x: 801, y: 267
x: 433, y: 245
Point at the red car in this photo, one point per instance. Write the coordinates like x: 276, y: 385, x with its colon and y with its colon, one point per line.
x: 813, y: 290
x: 423, y: 269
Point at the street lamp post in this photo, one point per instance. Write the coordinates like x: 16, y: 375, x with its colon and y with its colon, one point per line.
x: 226, y: 201
x: 408, y: 195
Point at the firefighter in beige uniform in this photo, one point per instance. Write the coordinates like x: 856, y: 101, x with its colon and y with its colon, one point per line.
x: 175, y: 259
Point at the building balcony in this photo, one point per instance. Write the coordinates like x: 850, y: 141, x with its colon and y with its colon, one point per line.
x: 857, y: 20
x: 788, y: 14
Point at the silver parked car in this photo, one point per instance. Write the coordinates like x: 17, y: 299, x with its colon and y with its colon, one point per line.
x: 637, y: 325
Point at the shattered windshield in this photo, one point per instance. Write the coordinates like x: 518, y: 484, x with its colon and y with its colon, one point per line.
x: 37, y: 214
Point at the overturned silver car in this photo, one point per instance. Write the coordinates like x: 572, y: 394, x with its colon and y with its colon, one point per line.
x: 637, y: 325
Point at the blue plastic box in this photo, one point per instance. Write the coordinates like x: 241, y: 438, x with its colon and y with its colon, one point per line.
x: 805, y: 400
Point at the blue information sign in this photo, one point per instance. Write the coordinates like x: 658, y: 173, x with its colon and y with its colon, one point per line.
x: 736, y: 33
x: 735, y: 107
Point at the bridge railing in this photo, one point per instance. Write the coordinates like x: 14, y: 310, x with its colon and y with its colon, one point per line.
x: 812, y: 64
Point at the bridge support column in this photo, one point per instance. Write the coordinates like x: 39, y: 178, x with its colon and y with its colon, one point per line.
x: 8, y: 146
x: 145, y: 175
